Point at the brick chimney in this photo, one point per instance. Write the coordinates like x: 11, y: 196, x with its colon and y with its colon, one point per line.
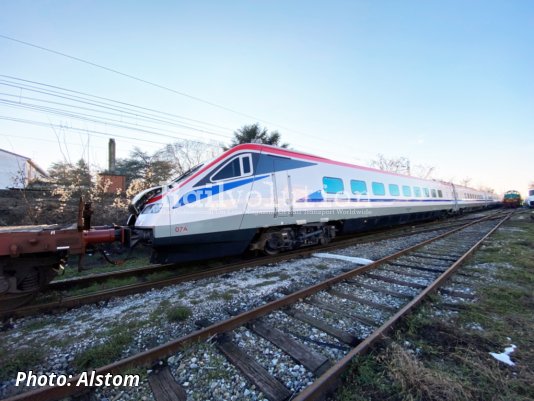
x: 111, y: 166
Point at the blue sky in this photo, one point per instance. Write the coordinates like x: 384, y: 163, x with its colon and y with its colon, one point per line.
x: 446, y: 84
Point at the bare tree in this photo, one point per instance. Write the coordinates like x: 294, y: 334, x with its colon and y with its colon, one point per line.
x: 399, y: 165
x: 186, y: 154
x: 32, y: 210
x: 423, y: 171
x: 486, y: 189
x: 465, y: 181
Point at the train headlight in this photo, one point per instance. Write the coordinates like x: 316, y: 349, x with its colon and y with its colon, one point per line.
x: 153, y: 208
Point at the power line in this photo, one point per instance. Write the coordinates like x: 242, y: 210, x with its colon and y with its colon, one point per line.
x: 153, y: 84
x: 46, y: 140
x: 40, y: 84
x: 92, y: 118
x: 120, y: 109
x: 92, y: 131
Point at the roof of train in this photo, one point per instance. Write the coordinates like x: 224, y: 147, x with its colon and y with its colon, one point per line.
x: 289, y: 153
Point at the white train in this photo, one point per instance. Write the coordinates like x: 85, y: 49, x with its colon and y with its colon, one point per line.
x: 529, y: 201
x: 271, y: 199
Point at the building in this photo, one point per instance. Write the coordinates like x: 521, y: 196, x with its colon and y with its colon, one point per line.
x: 109, y: 181
x: 112, y: 183
x: 17, y: 171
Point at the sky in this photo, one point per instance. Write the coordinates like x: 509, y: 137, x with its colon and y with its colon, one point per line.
x: 448, y: 85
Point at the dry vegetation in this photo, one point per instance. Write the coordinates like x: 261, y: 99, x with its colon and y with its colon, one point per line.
x: 438, y: 354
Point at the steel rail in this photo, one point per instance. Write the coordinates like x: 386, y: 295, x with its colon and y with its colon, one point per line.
x: 150, y: 357
x: 319, y: 389
x: 376, y: 235
x: 104, y: 295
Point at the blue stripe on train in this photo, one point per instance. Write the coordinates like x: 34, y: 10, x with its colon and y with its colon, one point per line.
x: 318, y: 197
x: 373, y: 200
x: 203, y: 193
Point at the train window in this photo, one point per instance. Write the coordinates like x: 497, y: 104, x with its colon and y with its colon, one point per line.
x: 427, y: 192
x: 434, y: 195
x: 394, y: 190
x: 358, y: 187
x: 440, y: 193
x: 238, y: 167
x: 417, y: 191
x: 378, y: 188
x: 229, y: 170
x: 406, y: 190
x: 333, y: 185
x: 246, y: 165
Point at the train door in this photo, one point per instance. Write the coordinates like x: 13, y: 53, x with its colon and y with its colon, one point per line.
x: 455, y: 196
x: 282, y: 190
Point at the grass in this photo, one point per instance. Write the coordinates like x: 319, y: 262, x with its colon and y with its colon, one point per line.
x: 227, y: 295
x: 96, y: 264
x: 265, y: 283
x: 162, y: 275
x: 173, y: 313
x: 444, y: 356
x: 103, y: 354
x: 178, y: 313
x: 279, y: 275
x: 38, y: 324
x: 108, y: 284
x: 22, y: 360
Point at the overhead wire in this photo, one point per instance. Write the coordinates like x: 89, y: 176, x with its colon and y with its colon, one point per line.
x: 92, y: 131
x: 95, y: 119
x: 198, y: 99
x: 122, y: 111
x: 33, y: 138
x: 308, y: 136
x: 61, y: 91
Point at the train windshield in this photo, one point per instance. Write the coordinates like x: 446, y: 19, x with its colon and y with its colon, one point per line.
x: 531, y: 192
x: 186, y: 174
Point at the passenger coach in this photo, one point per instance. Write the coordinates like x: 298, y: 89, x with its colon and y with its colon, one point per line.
x: 271, y: 199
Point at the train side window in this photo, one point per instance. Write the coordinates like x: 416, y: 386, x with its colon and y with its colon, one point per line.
x: 434, y: 195
x: 427, y: 192
x: 406, y: 190
x: 333, y: 185
x: 238, y: 167
x: 229, y: 170
x: 394, y: 190
x: 440, y: 193
x: 378, y: 188
x: 245, y: 160
x: 358, y: 187
x: 417, y: 192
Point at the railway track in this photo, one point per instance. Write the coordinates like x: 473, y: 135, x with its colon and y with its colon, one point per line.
x: 182, y: 273
x: 351, y: 311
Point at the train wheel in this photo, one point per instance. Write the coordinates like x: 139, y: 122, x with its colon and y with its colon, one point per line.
x: 21, y: 279
x: 273, y: 244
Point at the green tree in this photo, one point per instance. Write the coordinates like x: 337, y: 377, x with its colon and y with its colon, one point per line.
x: 255, y: 134
x: 70, y: 175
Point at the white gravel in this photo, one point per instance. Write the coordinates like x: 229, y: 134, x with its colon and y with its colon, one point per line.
x: 66, y: 336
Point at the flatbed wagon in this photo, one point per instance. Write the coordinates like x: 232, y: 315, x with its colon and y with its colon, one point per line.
x: 31, y: 256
